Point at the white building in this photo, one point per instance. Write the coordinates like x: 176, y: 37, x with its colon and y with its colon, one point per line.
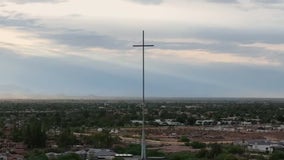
x: 204, y: 122
x: 3, y: 157
x: 245, y: 123
x: 100, y: 154
x: 262, y: 145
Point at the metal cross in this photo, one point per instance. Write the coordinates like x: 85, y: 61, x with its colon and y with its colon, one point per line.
x: 143, y: 143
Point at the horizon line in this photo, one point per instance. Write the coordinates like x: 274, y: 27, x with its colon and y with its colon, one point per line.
x: 99, y: 98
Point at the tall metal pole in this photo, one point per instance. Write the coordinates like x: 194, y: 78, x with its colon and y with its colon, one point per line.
x: 143, y: 147
x: 143, y: 141
x: 143, y: 44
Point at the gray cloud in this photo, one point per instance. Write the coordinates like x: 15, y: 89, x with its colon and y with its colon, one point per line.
x: 217, y: 47
x: 269, y: 1
x: 227, y: 40
x: 32, y: 1
x: 148, y: 1
x: 18, y: 20
x: 232, y: 41
x: 224, y: 1
x: 81, y: 38
x: 240, y: 35
x: 72, y: 38
x: 255, y: 1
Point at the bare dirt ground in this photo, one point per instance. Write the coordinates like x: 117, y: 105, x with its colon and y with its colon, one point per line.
x: 166, y: 138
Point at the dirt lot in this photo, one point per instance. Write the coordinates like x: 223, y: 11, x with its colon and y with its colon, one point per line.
x: 166, y: 138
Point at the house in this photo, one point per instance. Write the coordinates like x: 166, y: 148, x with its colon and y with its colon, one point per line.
x: 100, y: 154
x: 136, y: 122
x: 105, y: 154
x: 123, y: 155
x: 3, y: 157
x: 52, y: 155
x: 260, y: 146
x: 281, y: 128
x: 156, y: 158
x: 171, y: 122
x: 159, y: 122
x: 126, y: 156
x: 82, y: 154
x: 246, y: 123
x: 204, y: 122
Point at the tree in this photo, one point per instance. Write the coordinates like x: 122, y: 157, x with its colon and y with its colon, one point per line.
x: 278, y: 155
x: 155, y: 153
x: 202, y: 153
x: 184, y: 139
x: 66, y: 138
x: 134, y: 149
x: 17, y: 134
x: 181, y: 156
x: 182, y: 118
x: 71, y: 156
x: 216, y: 149
x: 34, y: 134
x: 280, y: 118
x: 197, y: 145
x: 37, y: 155
x: 236, y: 149
x: 102, y: 140
x: 225, y: 156
x: 191, y: 120
x: 118, y: 158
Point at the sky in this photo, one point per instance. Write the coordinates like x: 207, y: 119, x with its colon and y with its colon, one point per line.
x: 83, y: 48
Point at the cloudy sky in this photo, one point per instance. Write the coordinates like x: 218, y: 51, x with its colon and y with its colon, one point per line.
x: 203, y: 48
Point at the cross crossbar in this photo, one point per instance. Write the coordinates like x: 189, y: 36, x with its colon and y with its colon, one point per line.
x: 143, y: 45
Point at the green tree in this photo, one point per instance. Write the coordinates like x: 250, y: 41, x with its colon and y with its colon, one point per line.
x: 259, y: 157
x: 66, y: 138
x: 155, y: 153
x: 191, y: 120
x: 181, y: 156
x: 184, y: 139
x: 102, y: 140
x: 182, y: 118
x: 216, y: 149
x: 235, y: 149
x: 37, y: 155
x: 34, y: 134
x: 134, y: 149
x: 278, y: 155
x: 202, y: 153
x: 197, y: 145
x: 17, y: 134
x: 226, y: 156
x: 118, y: 158
x: 71, y: 156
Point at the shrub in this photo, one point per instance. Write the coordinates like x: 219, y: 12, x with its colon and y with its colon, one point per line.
x: 236, y: 149
x: 183, y: 139
x: 197, y: 145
